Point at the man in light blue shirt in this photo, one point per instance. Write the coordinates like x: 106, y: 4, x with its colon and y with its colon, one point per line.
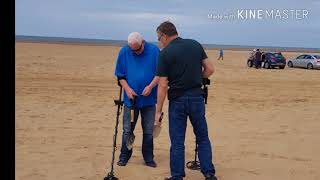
x: 136, y: 69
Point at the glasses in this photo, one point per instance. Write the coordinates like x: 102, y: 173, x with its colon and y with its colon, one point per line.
x: 137, y: 50
x: 159, y: 38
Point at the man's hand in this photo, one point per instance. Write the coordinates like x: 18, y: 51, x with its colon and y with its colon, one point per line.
x: 157, y: 119
x: 130, y: 93
x: 147, y: 90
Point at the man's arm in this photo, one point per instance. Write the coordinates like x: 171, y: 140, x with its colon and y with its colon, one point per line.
x: 208, y: 68
x: 154, y: 82
x: 147, y: 89
x: 130, y: 93
x: 124, y: 84
x: 162, y: 93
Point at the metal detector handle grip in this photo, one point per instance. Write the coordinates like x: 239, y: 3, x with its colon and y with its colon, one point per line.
x: 205, y: 82
x: 205, y: 90
x: 133, y: 102
x: 161, y: 116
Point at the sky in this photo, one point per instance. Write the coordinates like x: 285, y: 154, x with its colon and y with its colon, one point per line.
x: 106, y: 19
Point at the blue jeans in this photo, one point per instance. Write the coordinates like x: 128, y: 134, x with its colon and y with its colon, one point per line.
x: 179, y: 110
x: 147, y: 122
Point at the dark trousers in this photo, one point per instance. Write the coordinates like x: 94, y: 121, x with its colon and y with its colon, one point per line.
x: 179, y: 110
x: 257, y: 63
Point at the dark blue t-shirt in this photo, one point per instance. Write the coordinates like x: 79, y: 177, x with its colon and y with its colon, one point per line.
x: 181, y: 63
x: 139, y: 71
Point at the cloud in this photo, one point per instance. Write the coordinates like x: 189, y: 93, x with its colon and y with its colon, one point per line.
x: 136, y: 17
x: 114, y: 20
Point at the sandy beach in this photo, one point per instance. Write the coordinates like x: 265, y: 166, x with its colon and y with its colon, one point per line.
x: 263, y: 124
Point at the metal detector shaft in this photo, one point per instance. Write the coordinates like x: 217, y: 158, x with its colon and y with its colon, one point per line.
x: 196, y: 152
x: 119, y: 103
x: 194, y: 165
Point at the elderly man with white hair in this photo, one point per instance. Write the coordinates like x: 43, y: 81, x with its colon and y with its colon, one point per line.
x: 136, y: 69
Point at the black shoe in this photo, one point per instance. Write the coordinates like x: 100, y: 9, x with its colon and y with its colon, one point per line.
x: 121, y: 163
x: 151, y: 164
x: 211, y: 177
x: 171, y: 178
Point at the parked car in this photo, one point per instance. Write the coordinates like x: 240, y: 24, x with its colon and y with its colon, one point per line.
x: 309, y: 61
x: 273, y: 59
x: 270, y: 60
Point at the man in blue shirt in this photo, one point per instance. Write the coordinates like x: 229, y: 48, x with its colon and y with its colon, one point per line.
x: 136, y: 70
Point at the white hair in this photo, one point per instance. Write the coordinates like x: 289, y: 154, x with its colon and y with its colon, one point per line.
x: 135, y: 37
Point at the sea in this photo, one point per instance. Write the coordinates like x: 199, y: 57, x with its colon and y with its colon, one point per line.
x: 103, y: 42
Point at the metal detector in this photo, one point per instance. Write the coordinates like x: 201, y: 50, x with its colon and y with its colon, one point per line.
x: 195, y: 165
x: 119, y: 103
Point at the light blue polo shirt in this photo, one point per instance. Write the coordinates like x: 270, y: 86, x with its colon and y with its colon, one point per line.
x: 139, y: 71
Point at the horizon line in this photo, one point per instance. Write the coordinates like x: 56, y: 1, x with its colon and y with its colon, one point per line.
x: 70, y: 40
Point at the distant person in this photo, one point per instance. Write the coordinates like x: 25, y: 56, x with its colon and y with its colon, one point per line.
x: 257, y: 59
x: 136, y: 69
x: 252, y: 53
x: 220, y: 54
x: 182, y: 65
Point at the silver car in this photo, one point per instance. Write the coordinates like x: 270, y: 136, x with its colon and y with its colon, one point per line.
x: 309, y: 61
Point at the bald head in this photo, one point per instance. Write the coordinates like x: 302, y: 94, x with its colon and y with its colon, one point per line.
x: 135, y: 38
